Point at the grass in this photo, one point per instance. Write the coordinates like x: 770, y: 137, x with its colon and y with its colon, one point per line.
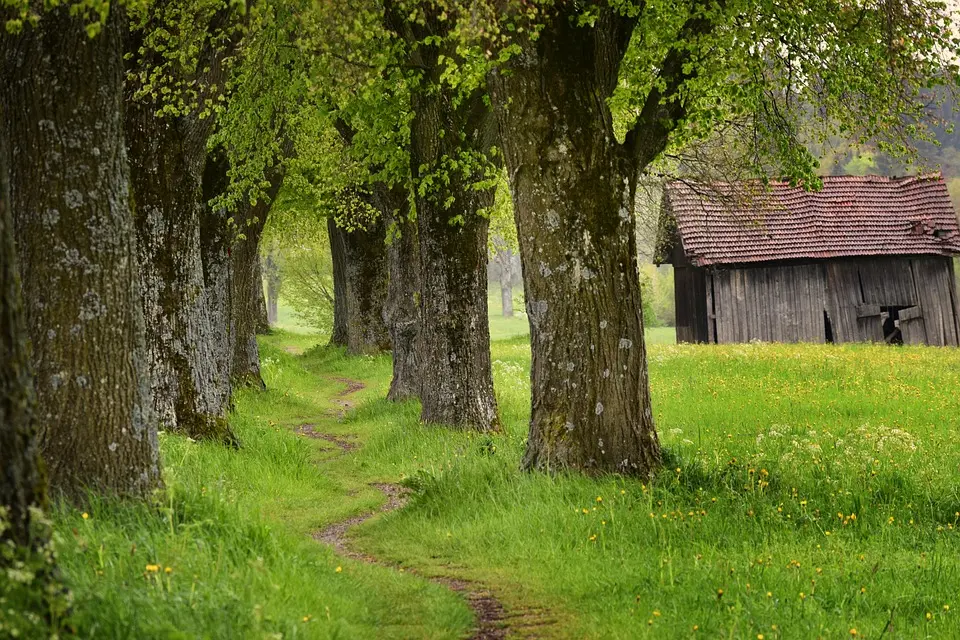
x: 288, y: 320
x: 234, y: 528
x: 810, y: 491
x: 502, y: 328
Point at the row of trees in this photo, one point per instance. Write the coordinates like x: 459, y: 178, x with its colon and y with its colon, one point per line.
x: 143, y: 144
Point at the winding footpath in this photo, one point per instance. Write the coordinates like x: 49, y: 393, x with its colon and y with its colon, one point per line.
x: 491, y: 620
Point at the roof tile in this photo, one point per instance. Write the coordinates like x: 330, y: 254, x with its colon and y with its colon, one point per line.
x: 725, y: 223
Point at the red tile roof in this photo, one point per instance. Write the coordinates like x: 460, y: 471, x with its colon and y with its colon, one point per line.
x: 724, y: 223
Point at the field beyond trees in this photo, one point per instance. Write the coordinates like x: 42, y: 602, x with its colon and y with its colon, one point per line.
x: 808, y: 491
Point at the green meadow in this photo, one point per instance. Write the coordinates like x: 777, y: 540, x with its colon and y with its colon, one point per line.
x: 809, y: 491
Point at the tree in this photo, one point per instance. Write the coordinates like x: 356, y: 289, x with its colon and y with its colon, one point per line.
x: 307, y: 273
x: 298, y: 252
x: 167, y: 144
x: 246, y: 303
x: 573, y: 201
x: 192, y: 382
x: 590, y: 95
x: 358, y: 246
x: 27, y: 563
x: 272, y: 275
x: 452, y: 138
x: 216, y: 235
x: 69, y: 195
x: 402, y: 310
x: 22, y: 484
x: 503, y: 243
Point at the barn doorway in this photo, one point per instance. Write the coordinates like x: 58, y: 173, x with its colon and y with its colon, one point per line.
x: 890, y: 320
x: 827, y: 327
x: 903, y: 325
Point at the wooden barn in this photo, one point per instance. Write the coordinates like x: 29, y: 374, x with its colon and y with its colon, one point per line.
x: 865, y: 259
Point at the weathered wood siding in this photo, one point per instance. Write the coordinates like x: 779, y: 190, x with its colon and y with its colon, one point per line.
x: 786, y: 303
x: 772, y: 304
x: 850, y: 317
x: 856, y: 289
x: 691, y: 304
x: 938, y: 300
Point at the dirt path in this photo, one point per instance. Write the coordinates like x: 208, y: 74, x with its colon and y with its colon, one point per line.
x: 490, y: 616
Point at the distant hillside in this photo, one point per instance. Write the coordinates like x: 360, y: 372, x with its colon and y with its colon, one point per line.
x: 840, y: 159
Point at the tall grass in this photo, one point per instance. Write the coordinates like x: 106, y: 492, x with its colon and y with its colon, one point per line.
x: 226, y: 552
x: 809, y: 491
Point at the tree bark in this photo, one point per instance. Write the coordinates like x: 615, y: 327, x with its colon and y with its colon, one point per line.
x: 456, y: 381
x: 360, y: 287
x: 215, y: 238
x: 273, y: 290
x: 505, y: 262
x: 338, y: 256
x: 262, y: 304
x: 573, y: 189
x: 402, y: 311
x: 192, y: 387
x: 21, y: 481
x: 185, y: 319
x: 457, y: 384
x: 69, y: 194
x: 248, y: 295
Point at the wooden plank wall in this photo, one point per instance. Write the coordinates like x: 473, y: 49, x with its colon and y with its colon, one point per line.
x: 690, y: 297
x: 786, y: 303
x: 937, y: 298
x: 844, y: 296
x: 773, y: 304
x: 887, y: 282
x: 925, y: 282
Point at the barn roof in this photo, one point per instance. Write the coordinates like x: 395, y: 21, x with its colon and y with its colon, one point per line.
x: 732, y: 223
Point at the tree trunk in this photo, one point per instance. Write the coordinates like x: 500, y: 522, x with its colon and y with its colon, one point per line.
x: 360, y: 287
x: 22, y: 482
x: 402, y: 311
x: 69, y: 194
x: 192, y: 387
x: 505, y: 261
x: 573, y: 189
x: 338, y: 255
x: 456, y: 381
x: 215, y: 237
x: 248, y: 296
x: 263, y: 306
x: 273, y: 289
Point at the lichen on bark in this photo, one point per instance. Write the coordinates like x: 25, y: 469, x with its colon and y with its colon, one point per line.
x: 62, y: 119
x: 573, y: 188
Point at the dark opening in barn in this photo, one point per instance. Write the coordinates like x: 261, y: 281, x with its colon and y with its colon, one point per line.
x: 866, y: 259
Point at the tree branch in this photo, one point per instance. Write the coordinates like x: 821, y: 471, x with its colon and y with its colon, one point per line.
x: 663, y: 109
